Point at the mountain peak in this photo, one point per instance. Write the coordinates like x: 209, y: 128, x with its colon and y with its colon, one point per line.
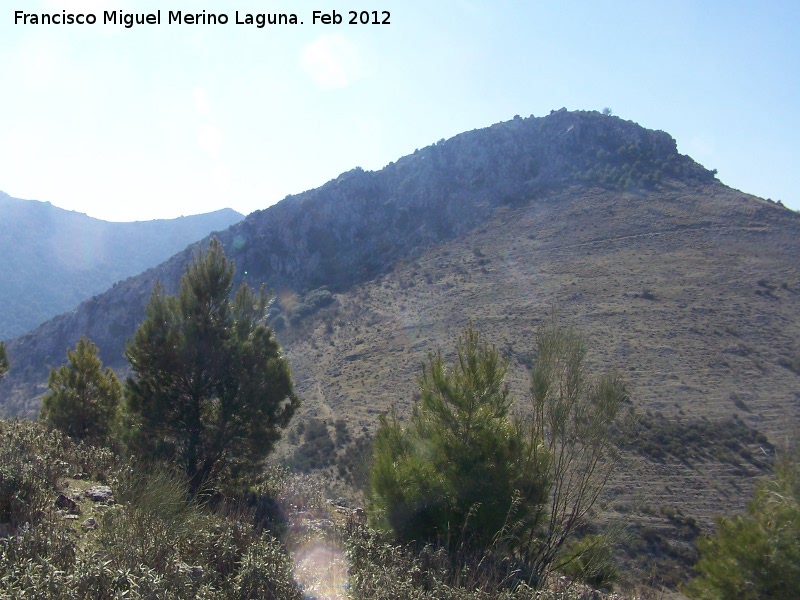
x: 359, y: 223
x: 362, y: 223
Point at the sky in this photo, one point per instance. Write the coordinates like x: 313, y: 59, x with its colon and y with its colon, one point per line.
x: 159, y: 121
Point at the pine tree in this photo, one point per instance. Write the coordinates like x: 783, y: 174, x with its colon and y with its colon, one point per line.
x: 756, y: 554
x: 460, y: 470
x: 210, y: 388
x: 83, y: 399
x: 464, y: 470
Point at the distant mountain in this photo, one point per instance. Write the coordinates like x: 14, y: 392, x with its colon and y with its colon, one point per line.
x: 53, y: 259
x: 689, y: 288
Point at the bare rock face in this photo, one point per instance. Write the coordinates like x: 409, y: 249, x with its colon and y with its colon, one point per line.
x: 358, y: 225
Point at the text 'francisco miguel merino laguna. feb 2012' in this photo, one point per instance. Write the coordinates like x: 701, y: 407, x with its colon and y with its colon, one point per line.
x: 178, y: 17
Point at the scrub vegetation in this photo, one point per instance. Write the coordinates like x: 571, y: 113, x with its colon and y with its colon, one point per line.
x: 467, y: 499
x: 176, y: 500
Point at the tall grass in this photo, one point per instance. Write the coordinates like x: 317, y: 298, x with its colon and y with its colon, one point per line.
x: 382, y: 569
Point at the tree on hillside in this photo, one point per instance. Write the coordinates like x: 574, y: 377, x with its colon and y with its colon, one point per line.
x: 210, y: 388
x: 462, y: 469
x: 83, y: 399
x: 3, y: 360
x: 757, y: 554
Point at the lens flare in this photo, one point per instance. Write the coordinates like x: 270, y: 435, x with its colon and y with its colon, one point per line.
x: 320, y: 569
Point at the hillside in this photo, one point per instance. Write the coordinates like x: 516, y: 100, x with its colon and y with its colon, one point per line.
x: 53, y: 259
x: 359, y: 225
x: 688, y: 287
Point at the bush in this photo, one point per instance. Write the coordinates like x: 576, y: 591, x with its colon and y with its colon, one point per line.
x: 354, y: 464
x: 573, y: 416
x: 383, y: 570
x: 311, y: 303
x: 33, y: 460
x: 3, y: 360
x: 317, y: 450
x: 589, y: 560
x: 265, y: 572
x: 757, y: 554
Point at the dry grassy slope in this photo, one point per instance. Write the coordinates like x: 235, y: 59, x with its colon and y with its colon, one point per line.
x: 591, y: 254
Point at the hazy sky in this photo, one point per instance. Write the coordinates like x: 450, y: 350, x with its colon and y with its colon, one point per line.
x: 166, y: 120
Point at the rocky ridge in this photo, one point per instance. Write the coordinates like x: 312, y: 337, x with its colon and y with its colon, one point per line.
x: 358, y: 225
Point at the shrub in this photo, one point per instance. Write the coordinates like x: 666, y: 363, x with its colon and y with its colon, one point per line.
x: 354, y: 464
x: 32, y: 462
x: 311, y: 303
x: 757, y: 554
x: 317, y: 450
x: 590, y: 560
x: 574, y: 415
x: 3, y: 360
x: 265, y: 571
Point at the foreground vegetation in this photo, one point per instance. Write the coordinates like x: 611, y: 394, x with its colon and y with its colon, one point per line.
x: 148, y: 541
x: 464, y: 474
x: 144, y: 541
x: 169, y: 482
x: 757, y: 554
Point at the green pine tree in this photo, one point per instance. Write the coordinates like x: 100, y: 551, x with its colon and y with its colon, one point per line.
x: 210, y: 388
x: 464, y: 471
x: 83, y: 399
x: 755, y: 555
x: 461, y: 469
